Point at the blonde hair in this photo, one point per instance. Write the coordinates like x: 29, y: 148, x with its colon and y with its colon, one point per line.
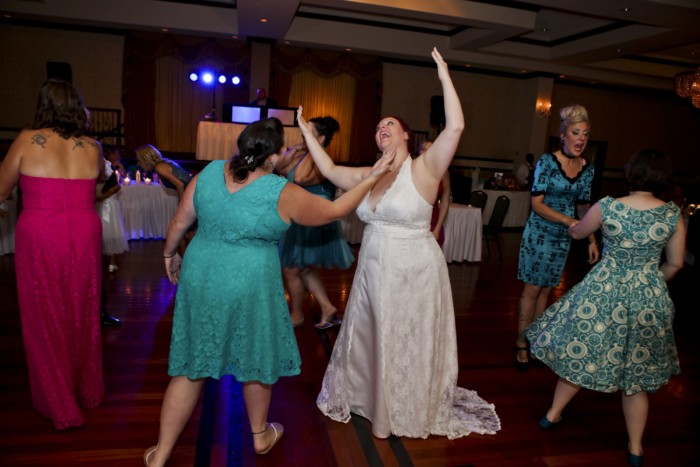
x: 572, y: 115
x: 148, y: 156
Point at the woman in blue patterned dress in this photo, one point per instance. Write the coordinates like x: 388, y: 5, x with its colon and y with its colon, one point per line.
x: 613, y: 331
x: 562, y: 182
x: 302, y: 247
x: 230, y: 315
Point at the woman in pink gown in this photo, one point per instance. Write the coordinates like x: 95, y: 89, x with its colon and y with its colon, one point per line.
x: 58, y: 254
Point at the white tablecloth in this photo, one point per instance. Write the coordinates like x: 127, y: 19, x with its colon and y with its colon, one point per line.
x: 217, y: 140
x: 518, y: 211
x: 463, y: 232
x: 7, y: 225
x: 147, y: 209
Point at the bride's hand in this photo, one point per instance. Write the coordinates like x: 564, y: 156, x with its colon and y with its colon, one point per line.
x: 442, y: 66
x: 304, y: 126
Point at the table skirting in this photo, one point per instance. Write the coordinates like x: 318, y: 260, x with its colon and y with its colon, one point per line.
x: 216, y: 140
x: 147, y: 209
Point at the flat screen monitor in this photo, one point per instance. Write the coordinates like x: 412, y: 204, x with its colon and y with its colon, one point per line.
x: 288, y: 117
x: 244, y: 114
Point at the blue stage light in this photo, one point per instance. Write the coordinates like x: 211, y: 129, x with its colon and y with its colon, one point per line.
x: 207, y: 77
x: 194, y: 76
x: 236, y: 80
x: 222, y: 79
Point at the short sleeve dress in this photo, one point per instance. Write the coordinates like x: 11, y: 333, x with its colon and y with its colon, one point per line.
x: 231, y: 315
x: 322, y: 246
x: 613, y: 330
x: 545, y: 244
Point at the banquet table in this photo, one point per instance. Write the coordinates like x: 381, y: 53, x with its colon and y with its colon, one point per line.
x: 216, y: 140
x: 462, y: 232
x: 518, y: 210
x: 147, y: 209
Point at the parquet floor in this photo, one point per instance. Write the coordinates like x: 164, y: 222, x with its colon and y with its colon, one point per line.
x: 485, y: 295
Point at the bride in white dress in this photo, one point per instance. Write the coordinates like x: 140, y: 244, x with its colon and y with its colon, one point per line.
x: 395, y: 359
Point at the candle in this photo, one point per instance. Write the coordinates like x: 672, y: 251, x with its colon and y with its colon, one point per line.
x: 147, y: 180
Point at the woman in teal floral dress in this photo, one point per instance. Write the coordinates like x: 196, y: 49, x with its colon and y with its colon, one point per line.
x: 613, y: 331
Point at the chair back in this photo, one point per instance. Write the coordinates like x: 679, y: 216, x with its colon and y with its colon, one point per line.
x: 500, y: 209
x: 478, y: 199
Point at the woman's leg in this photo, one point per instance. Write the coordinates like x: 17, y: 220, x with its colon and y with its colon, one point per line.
x: 526, y: 313
x: 563, y: 393
x: 314, y: 285
x: 542, y: 302
x: 257, y: 403
x: 295, y: 287
x: 180, y: 400
x: 635, y: 408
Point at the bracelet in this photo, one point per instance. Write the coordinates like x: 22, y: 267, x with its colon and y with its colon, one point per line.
x: 170, y: 256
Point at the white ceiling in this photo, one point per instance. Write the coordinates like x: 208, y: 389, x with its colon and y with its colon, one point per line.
x: 641, y: 43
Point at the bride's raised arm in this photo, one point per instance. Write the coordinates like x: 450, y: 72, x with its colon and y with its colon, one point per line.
x: 438, y: 157
x: 341, y: 176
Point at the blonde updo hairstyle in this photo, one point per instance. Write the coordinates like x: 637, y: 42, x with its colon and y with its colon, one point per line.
x: 572, y: 115
x: 148, y: 156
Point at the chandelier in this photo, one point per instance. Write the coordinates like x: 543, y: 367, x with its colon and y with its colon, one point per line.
x: 688, y: 86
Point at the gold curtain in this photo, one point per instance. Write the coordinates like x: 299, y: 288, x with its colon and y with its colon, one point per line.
x: 321, y: 96
x: 180, y: 104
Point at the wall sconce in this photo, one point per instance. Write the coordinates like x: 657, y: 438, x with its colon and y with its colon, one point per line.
x: 543, y: 109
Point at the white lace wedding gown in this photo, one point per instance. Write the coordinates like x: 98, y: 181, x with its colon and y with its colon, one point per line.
x: 395, y: 359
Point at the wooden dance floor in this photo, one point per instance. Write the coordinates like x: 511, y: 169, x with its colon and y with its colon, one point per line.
x: 485, y: 296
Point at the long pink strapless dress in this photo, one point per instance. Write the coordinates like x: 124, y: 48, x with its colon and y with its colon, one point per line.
x: 57, y: 259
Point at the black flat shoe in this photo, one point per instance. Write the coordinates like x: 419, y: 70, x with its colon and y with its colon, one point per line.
x: 547, y: 425
x: 635, y: 460
x: 108, y: 320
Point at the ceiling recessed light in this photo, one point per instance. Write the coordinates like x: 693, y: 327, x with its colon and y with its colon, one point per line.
x: 562, y: 76
x: 626, y: 9
x: 348, y: 49
x: 264, y: 20
x: 468, y: 65
x: 544, y: 29
x: 234, y: 36
x: 164, y: 29
x: 286, y: 42
x: 523, y: 71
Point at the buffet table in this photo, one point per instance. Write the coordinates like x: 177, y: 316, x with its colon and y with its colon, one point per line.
x: 216, y: 140
x: 463, y: 231
x: 518, y: 211
x: 147, y: 209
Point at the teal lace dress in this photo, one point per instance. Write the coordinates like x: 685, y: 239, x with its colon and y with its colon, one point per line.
x: 613, y: 331
x: 231, y: 316
x: 323, y: 246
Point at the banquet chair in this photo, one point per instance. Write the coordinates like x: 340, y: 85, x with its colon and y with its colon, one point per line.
x: 478, y: 199
x: 495, y: 224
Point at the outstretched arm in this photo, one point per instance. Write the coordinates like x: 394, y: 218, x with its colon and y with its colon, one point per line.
x: 304, y: 208
x: 342, y: 177
x: 438, y: 157
x: 184, y: 217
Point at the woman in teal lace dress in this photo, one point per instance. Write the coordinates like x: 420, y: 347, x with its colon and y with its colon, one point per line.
x: 562, y: 183
x: 613, y: 331
x: 231, y: 316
